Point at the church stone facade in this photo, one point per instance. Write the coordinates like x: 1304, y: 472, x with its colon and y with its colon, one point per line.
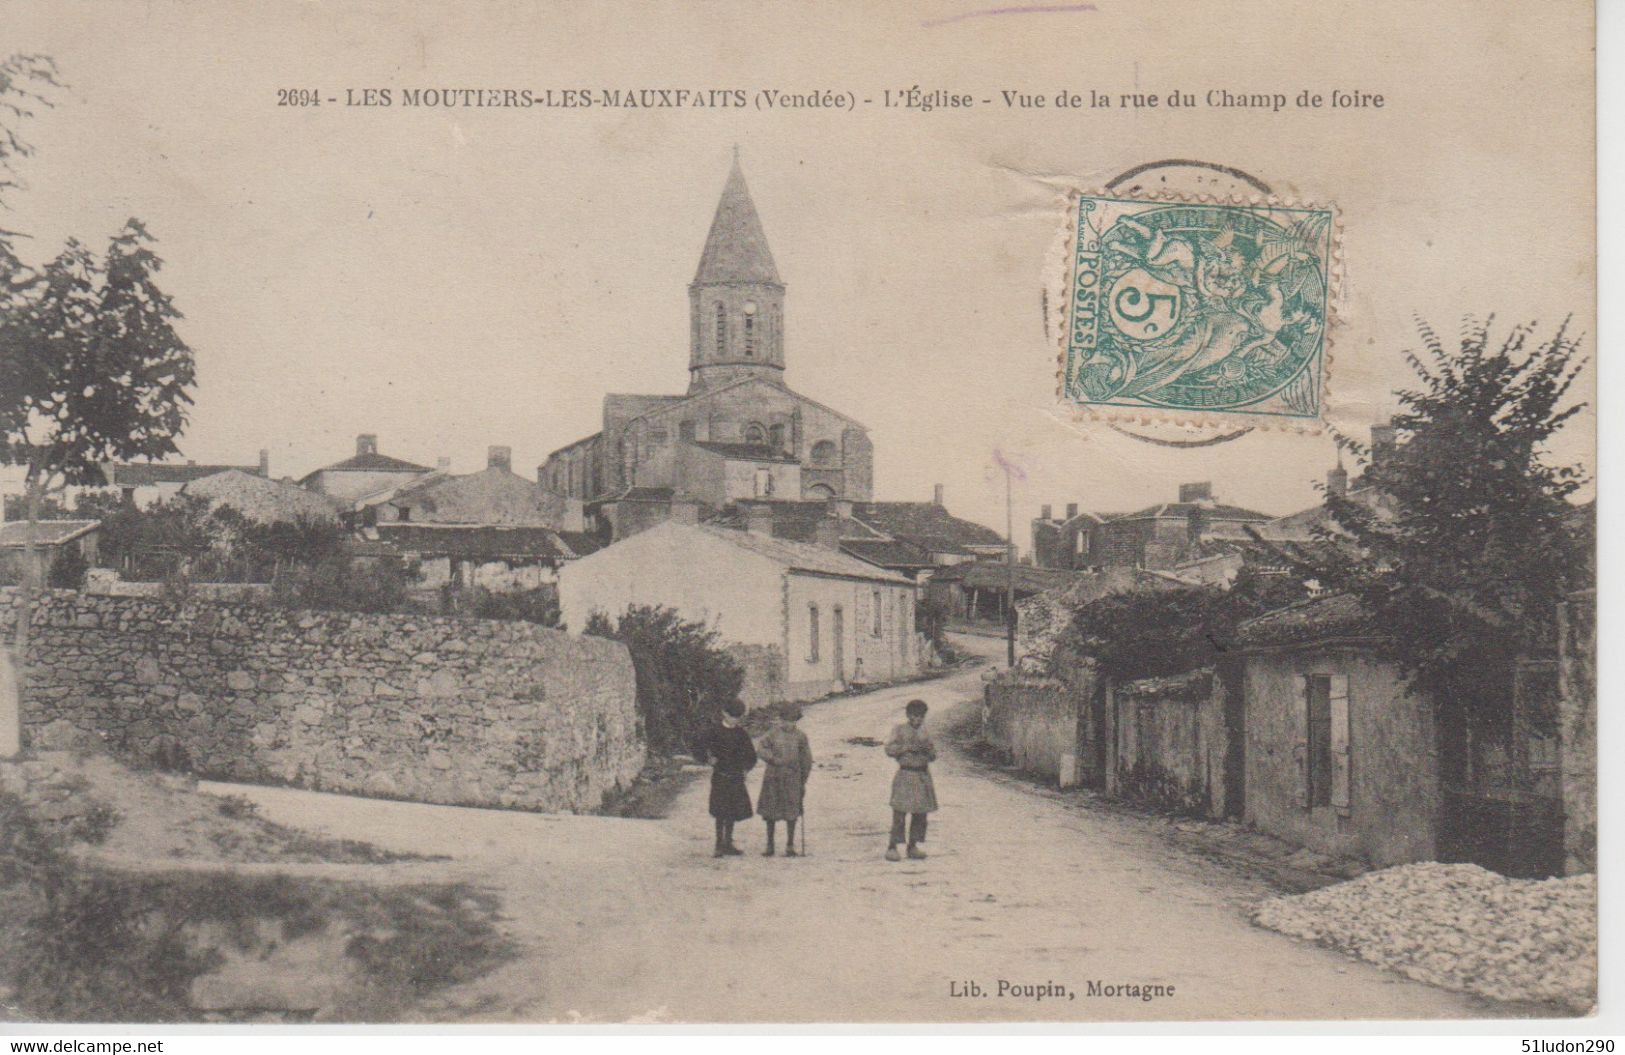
x: 739, y: 433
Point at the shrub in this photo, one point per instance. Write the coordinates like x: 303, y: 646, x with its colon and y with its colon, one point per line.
x: 539, y: 605
x: 1154, y: 633
x: 683, y: 675
x: 338, y: 583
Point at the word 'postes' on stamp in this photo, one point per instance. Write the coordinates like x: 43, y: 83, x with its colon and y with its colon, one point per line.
x: 1198, y: 308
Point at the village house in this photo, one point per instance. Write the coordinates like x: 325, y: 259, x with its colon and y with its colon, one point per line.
x: 366, y: 472
x: 1345, y: 757
x: 142, y: 484
x: 1068, y: 541
x: 494, y: 497
x: 802, y: 619
x: 739, y: 432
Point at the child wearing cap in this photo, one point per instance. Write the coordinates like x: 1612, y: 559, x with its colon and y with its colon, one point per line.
x: 912, y: 793
x: 789, y: 763
x: 730, y: 749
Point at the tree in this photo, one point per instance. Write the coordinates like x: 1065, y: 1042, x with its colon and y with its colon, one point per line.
x: 683, y: 675
x: 91, y: 370
x: 1464, y: 562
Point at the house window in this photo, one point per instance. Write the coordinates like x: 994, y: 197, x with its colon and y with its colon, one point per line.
x: 685, y: 430
x: 764, y: 481
x: 776, y: 437
x: 877, y: 600
x: 1326, y: 748
x: 722, y: 329
x: 812, y: 634
x: 658, y: 437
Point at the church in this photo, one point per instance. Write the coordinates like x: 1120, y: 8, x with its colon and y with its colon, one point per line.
x: 739, y: 433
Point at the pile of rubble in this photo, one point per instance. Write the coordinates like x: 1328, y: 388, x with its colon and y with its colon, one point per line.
x: 1459, y: 927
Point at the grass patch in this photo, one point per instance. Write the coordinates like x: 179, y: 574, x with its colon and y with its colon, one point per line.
x: 79, y: 943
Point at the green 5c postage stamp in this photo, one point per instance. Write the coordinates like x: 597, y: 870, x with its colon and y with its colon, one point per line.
x: 1192, y: 310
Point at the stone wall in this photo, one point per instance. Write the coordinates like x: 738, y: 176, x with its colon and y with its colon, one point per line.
x: 1035, y: 722
x: 1169, y: 742
x: 434, y: 709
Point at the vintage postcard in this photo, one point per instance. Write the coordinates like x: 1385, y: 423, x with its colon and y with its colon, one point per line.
x: 936, y: 512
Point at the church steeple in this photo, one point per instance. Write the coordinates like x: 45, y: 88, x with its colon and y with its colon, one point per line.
x: 736, y: 301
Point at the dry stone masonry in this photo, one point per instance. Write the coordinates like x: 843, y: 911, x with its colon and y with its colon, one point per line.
x: 435, y: 709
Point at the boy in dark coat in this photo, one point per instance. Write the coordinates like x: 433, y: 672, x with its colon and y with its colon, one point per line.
x: 729, y: 747
x: 913, y: 795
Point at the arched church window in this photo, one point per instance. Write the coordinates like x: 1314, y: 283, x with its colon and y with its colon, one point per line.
x: 776, y: 436
x: 750, y: 328
x: 823, y: 453
x: 722, y: 329
x: 754, y: 433
x: 820, y: 493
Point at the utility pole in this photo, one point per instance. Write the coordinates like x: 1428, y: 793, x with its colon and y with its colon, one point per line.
x: 1010, y: 576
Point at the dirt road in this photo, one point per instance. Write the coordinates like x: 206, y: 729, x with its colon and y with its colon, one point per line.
x: 628, y: 920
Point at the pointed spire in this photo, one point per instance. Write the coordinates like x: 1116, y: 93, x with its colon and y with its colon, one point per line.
x: 736, y: 249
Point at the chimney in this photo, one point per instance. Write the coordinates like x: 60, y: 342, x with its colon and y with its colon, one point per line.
x: 827, y: 532
x: 1197, y: 492
x: 936, y: 495
x: 443, y: 463
x: 1046, y: 512
x: 1071, y: 510
x: 499, y: 458
x: 759, y: 519
x: 366, y: 443
x: 265, y: 463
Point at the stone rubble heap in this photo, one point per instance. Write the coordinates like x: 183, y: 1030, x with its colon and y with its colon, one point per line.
x: 1459, y: 926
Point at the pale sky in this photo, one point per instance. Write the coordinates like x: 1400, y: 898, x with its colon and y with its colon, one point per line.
x: 450, y: 279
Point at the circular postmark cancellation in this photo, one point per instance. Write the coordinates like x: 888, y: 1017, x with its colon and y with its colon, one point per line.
x: 1196, y: 297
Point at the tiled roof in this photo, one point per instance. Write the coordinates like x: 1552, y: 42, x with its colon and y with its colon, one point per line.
x: 581, y: 543
x: 995, y: 575
x: 491, y: 542
x: 1186, y: 510
x: 1339, y: 615
x: 754, y: 452
x: 145, y: 474
x: 15, y: 533
x: 493, y: 497
x: 802, y: 556
x: 640, y: 494
x: 886, y: 553
x: 796, y: 520
x: 261, y: 500
x: 372, y: 462
x: 925, y: 524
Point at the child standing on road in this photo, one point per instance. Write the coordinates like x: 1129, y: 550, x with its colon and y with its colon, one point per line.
x: 733, y: 755
x: 789, y: 763
x: 912, y: 793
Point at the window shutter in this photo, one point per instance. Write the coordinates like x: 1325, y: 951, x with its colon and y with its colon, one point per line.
x: 1300, y: 738
x: 1340, y: 741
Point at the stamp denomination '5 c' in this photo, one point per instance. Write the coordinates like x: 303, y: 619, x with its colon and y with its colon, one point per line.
x: 1189, y: 310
